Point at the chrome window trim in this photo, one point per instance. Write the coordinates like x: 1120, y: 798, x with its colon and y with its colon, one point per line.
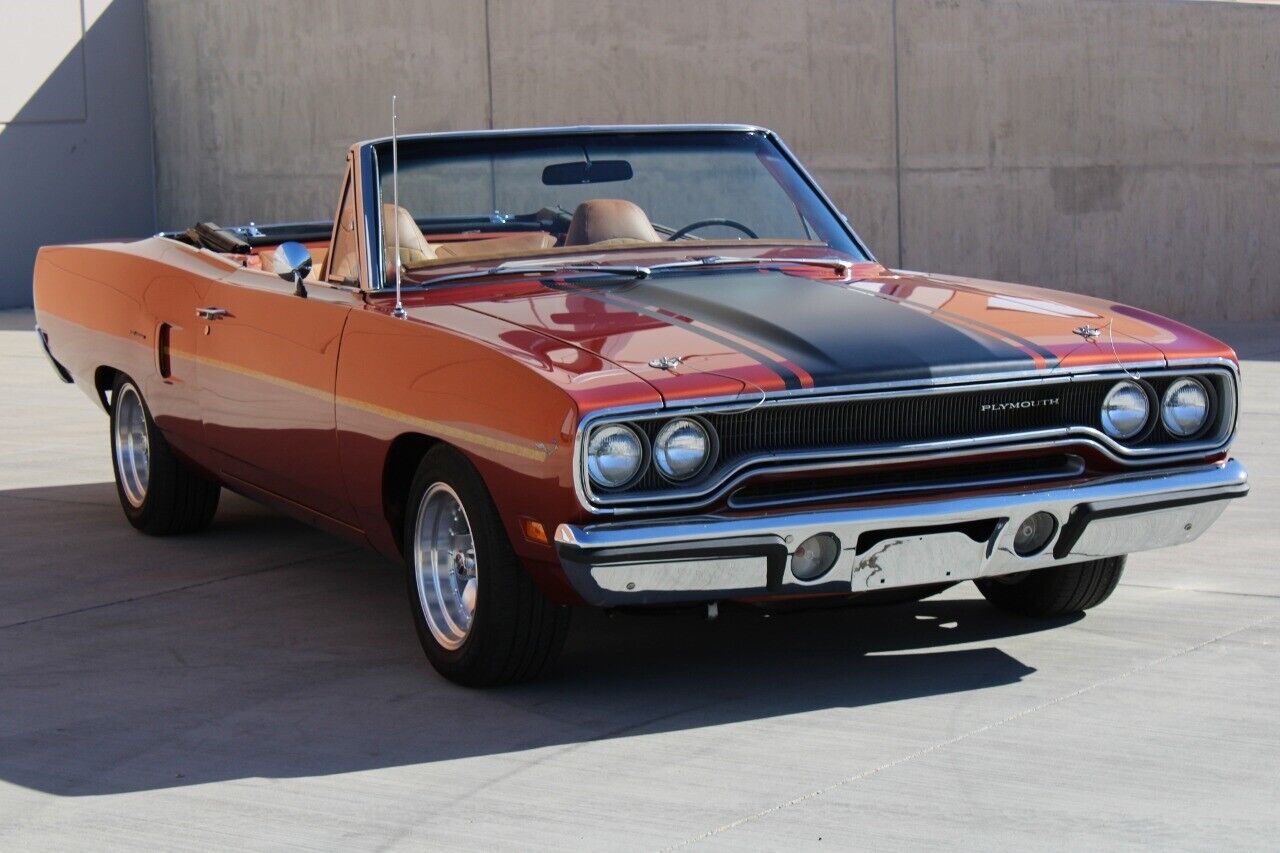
x: 569, y: 130
x: 821, y: 194
x: 348, y: 189
x: 805, y: 460
x: 371, y: 204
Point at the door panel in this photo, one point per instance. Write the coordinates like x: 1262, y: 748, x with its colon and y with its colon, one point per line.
x: 267, y: 372
x: 170, y: 382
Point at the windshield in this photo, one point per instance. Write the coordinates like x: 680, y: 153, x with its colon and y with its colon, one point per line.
x: 507, y: 197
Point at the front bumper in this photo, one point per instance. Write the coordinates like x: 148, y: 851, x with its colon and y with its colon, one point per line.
x: 707, y: 558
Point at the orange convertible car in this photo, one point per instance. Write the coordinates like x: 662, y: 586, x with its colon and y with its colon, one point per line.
x: 634, y: 366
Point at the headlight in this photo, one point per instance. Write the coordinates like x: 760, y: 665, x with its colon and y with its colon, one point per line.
x: 681, y: 449
x: 1185, y: 408
x: 614, y: 455
x: 1125, y: 410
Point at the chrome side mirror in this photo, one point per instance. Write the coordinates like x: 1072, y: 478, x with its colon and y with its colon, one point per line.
x: 292, y: 262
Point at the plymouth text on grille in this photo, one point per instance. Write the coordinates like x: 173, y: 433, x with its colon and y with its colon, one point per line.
x: 1019, y: 404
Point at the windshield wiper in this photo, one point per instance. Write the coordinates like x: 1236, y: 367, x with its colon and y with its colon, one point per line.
x: 542, y: 268
x: 633, y: 271
x: 722, y: 260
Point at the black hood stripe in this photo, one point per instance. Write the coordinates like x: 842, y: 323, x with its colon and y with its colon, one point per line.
x: 605, y: 294
x: 976, y: 327
x: 835, y: 334
x: 838, y: 335
x: 995, y: 331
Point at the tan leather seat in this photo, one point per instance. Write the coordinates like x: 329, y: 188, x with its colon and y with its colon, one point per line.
x: 318, y: 255
x: 516, y: 244
x: 603, y: 219
x: 414, y: 248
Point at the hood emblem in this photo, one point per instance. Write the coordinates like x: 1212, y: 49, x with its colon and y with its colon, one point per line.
x: 665, y: 362
x: 1087, y: 332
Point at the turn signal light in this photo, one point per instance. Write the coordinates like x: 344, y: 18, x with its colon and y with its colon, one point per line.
x: 534, y: 531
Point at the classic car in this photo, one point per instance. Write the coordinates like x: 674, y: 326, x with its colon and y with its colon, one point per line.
x: 636, y: 366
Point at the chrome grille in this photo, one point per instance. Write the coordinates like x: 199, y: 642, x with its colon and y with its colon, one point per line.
x: 789, y: 430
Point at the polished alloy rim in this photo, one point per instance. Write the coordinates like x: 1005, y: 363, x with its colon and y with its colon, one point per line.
x: 132, y: 445
x: 444, y: 563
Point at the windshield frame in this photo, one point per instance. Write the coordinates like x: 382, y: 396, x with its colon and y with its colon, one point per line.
x: 373, y: 152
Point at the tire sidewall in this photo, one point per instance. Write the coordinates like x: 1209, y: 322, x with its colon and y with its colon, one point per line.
x: 447, y: 466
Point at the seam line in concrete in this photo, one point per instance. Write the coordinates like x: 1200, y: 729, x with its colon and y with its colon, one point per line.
x: 919, y: 753
x: 897, y: 131
x: 1201, y: 591
x: 172, y: 590
x: 33, y: 499
x: 488, y: 58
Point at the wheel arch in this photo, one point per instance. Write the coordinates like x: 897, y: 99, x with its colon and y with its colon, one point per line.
x: 404, y: 453
x: 104, y: 379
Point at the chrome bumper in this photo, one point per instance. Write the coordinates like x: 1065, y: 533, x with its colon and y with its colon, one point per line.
x: 707, y: 558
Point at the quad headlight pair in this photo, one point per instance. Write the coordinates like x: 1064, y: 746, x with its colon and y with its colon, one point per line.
x: 1184, y: 409
x: 617, y: 453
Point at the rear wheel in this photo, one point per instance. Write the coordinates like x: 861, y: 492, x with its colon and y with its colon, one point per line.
x: 159, y: 494
x: 479, y: 616
x: 1055, y: 591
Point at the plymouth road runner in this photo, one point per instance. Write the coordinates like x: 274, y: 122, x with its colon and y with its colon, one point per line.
x: 636, y: 366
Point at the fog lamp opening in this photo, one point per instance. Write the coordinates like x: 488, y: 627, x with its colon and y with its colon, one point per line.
x: 815, y: 556
x: 1034, y: 533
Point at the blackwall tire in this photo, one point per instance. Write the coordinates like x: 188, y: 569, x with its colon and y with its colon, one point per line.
x: 159, y: 494
x: 480, y: 618
x: 1056, y: 591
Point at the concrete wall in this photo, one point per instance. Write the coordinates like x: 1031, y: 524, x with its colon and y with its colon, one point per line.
x: 75, y: 129
x: 1128, y: 148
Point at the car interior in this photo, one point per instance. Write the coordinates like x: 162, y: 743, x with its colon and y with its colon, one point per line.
x: 600, y: 223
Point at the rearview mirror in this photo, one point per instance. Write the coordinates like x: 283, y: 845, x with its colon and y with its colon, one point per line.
x: 292, y: 262
x: 587, y: 172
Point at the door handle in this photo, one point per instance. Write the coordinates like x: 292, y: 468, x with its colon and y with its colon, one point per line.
x: 211, y: 313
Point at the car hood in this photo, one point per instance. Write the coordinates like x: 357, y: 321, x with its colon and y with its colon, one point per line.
x: 717, y: 332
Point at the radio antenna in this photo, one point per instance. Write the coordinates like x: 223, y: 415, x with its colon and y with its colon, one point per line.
x: 395, y: 200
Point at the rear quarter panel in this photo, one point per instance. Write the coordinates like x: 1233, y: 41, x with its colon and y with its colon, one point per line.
x: 103, y: 305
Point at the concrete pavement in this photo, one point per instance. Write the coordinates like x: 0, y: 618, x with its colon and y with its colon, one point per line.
x: 260, y: 686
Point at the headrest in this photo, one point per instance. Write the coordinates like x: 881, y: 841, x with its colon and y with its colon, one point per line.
x: 609, y: 219
x: 414, y: 248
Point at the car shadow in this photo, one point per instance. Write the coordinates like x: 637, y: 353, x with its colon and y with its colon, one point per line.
x: 264, y: 649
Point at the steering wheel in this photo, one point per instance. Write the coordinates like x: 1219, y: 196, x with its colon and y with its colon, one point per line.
x: 703, y: 223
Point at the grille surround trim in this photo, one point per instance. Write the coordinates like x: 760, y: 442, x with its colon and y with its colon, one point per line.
x: 701, y: 494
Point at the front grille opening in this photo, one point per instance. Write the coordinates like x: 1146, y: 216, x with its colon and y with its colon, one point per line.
x: 978, y: 531
x: 968, y: 475
x: 773, y: 435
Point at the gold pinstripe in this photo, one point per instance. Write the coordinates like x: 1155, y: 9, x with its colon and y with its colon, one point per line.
x: 437, y: 428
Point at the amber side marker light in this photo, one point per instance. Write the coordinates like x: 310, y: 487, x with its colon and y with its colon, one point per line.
x: 534, y: 531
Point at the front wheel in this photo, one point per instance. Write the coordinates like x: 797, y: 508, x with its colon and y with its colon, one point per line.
x: 1055, y: 591
x: 159, y: 494
x: 479, y: 616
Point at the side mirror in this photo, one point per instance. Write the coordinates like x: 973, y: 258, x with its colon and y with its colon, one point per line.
x: 292, y: 262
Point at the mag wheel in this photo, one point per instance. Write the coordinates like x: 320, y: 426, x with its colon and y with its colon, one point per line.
x: 158, y: 493
x: 444, y: 566
x: 1055, y: 591
x: 132, y: 445
x: 479, y: 616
